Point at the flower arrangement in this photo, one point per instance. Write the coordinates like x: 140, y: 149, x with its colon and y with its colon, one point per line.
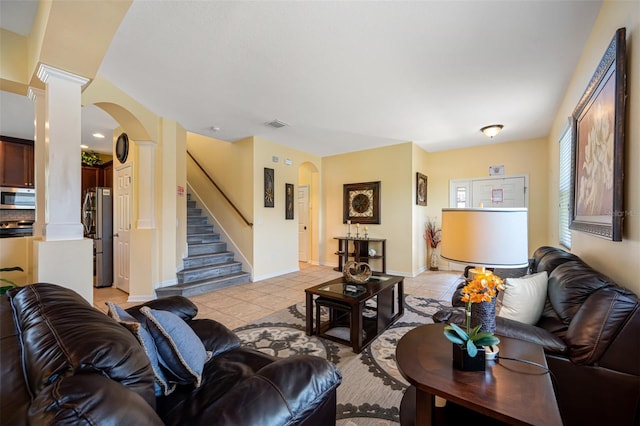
x: 432, y: 233
x: 483, y: 288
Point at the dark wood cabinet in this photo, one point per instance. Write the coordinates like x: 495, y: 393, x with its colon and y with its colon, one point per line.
x: 93, y: 176
x: 358, y: 250
x: 16, y: 162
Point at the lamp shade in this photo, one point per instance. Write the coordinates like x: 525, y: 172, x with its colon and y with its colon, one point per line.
x: 495, y: 238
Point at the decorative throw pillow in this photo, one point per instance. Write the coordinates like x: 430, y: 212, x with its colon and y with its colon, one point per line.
x: 181, y: 351
x: 162, y: 385
x: 523, y: 298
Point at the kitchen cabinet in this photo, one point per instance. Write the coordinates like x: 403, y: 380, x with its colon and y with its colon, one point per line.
x: 93, y: 176
x: 16, y: 162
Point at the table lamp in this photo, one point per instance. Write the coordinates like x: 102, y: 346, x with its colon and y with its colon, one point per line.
x: 492, y: 237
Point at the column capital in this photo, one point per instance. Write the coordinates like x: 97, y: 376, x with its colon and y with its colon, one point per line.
x: 45, y: 72
x: 33, y: 93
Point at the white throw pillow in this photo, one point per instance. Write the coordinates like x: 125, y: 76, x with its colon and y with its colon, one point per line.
x: 523, y: 298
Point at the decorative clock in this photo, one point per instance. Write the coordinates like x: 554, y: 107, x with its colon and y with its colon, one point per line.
x: 122, y: 148
x: 361, y: 202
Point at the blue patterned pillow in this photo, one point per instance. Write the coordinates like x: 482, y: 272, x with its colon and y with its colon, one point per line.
x: 181, y: 351
x: 161, y: 385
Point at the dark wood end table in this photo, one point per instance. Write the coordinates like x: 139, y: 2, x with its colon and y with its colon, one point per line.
x: 509, y: 391
x: 389, y: 293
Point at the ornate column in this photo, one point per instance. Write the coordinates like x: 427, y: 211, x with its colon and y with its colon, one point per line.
x: 63, y: 178
x: 62, y: 255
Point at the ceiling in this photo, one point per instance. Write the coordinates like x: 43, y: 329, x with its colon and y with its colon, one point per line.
x: 344, y: 76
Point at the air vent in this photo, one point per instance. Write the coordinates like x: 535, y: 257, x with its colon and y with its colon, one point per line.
x: 276, y: 124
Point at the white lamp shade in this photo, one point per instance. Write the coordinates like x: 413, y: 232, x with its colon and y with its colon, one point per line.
x: 495, y: 238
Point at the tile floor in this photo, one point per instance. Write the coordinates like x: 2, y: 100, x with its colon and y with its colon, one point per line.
x: 243, y: 304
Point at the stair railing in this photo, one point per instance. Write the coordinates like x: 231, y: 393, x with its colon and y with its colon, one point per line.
x: 220, y: 190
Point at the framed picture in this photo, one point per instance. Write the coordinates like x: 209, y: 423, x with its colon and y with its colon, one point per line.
x: 361, y: 202
x: 421, y: 189
x: 288, y: 190
x: 269, y: 186
x: 598, y: 123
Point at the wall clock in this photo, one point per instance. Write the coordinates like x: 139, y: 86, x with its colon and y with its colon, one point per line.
x: 361, y: 202
x: 122, y: 148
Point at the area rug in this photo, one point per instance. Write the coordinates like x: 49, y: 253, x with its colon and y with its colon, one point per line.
x: 372, y: 387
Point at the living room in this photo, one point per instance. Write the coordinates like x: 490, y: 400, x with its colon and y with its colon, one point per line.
x: 538, y: 160
x: 269, y: 250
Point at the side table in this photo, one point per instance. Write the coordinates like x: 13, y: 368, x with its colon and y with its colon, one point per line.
x: 509, y: 391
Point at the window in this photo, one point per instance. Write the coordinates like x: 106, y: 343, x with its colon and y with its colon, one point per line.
x: 564, y: 189
x: 461, y: 197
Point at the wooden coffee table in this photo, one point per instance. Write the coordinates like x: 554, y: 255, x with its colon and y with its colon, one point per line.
x: 348, y: 298
x: 509, y: 391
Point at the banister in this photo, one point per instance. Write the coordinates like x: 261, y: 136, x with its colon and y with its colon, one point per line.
x: 220, y: 190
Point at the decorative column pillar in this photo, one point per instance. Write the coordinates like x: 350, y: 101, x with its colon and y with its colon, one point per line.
x: 39, y: 158
x: 62, y: 255
x: 146, y: 184
x: 62, y: 163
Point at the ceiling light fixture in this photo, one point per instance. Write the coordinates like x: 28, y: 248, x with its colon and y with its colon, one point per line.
x: 84, y: 146
x: 98, y: 135
x: 492, y: 130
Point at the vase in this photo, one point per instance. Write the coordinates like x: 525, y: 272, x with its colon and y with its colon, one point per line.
x: 462, y: 360
x: 433, y: 260
x: 484, y: 313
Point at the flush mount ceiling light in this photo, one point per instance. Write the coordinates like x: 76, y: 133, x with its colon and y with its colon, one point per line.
x: 84, y: 146
x: 276, y: 124
x: 492, y: 130
x: 98, y: 135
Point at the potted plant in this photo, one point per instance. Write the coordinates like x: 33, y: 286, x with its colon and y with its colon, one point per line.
x: 468, y: 345
x: 10, y: 284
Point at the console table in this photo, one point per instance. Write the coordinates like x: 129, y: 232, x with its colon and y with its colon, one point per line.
x: 360, y: 252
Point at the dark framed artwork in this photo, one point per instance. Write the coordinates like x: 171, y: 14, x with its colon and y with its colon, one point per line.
x: 288, y: 190
x: 421, y: 189
x: 269, y: 187
x: 598, y: 124
x: 361, y: 202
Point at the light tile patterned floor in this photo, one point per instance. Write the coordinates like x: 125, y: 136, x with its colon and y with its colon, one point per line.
x: 242, y: 304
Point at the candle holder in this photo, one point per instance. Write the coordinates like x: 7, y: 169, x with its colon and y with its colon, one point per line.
x: 348, y: 229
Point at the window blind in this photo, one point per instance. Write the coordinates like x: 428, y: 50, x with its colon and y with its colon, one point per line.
x: 564, y: 188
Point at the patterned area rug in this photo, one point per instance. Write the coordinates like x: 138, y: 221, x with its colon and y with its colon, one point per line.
x: 372, y: 387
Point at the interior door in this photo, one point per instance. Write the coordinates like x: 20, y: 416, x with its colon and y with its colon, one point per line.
x: 499, y: 192
x: 303, y: 223
x: 122, y: 225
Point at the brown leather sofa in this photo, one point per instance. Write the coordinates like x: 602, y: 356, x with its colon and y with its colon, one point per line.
x: 65, y: 362
x: 590, y: 330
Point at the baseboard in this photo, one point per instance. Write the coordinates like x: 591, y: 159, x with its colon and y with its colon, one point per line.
x: 140, y: 299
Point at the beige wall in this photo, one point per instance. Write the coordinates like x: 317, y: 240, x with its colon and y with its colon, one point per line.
x: 616, y: 259
x: 392, y: 166
x: 275, y: 238
x: 519, y: 158
x: 420, y: 163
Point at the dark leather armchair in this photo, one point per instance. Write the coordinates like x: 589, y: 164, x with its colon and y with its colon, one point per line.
x: 590, y: 330
x: 64, y: 362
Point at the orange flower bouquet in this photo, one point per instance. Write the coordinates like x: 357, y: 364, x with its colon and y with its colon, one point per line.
x: 483, y: 288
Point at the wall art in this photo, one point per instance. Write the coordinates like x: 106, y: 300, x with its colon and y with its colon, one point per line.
x: 598, y: 135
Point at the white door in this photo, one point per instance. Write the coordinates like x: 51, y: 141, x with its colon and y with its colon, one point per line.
x: 503, y: 191
x: 303, y: 223
x: 122, y: 226
x: 499, y: 192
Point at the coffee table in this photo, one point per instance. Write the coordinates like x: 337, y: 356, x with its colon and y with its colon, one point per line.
x: 350, y: 299
x: 509, y: 391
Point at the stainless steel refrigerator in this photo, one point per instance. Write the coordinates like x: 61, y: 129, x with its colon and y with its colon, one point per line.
x: 97, y: 218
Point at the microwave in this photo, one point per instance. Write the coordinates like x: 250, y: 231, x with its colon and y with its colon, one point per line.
x: 17, y: 198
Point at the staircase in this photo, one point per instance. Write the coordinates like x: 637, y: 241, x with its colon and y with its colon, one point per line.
x: 208, y: 265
